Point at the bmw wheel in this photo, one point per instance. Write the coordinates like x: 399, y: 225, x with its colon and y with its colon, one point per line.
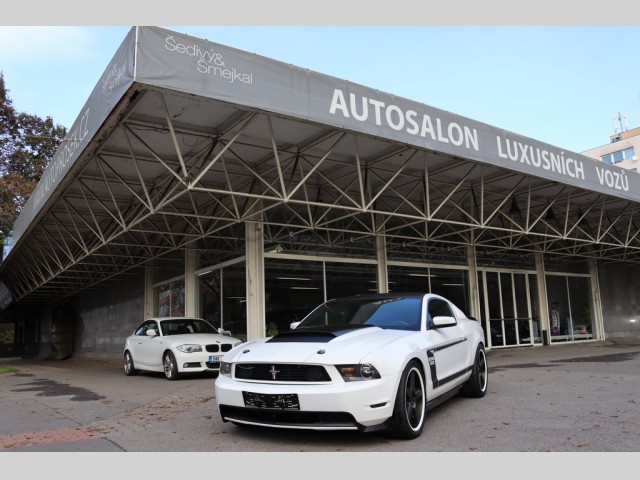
x: 477, y: 384
x: 129, y: 368
x: 170, y: 366
x: 409, y: 410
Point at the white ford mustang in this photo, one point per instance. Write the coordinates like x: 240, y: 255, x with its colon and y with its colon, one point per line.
x: 175, y: 345
x: 363, y: 363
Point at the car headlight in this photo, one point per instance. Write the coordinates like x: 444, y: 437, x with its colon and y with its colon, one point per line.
x: 361, y: 371
x: 225, y: 368
x: 189, y: 348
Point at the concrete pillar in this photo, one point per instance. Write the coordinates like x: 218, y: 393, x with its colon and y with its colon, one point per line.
x: 254, y: 237
x: 191, y: 306
x: 149, y: 298
x: 474, y: 291
x: 543, y: 303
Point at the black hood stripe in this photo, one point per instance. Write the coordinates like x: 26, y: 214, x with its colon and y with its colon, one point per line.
x: 315, y: 334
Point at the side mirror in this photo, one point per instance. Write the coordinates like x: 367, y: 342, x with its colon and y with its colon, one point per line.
x: 152, y: 332
x: 443, y: 321
x: 222, y: 331
x: 293, y: 325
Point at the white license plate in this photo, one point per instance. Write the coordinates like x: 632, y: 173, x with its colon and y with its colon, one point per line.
x: 214, y: 358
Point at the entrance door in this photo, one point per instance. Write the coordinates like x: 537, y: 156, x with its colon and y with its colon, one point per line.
x: 508, y: 316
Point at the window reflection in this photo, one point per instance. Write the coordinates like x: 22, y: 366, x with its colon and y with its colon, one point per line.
x: 170, y: 299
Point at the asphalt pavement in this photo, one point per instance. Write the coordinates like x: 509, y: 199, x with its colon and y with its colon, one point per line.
x: 568, y: 398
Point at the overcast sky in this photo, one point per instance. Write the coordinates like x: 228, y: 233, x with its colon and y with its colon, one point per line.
x: 564, y: 85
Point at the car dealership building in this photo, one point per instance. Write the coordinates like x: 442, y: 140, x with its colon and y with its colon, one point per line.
x: 203, y: 180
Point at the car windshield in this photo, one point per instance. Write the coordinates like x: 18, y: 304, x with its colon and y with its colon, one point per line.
x: 394, y: 313
x: 181, y: 326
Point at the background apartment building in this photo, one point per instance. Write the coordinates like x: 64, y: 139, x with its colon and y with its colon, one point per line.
x: 622, y: 150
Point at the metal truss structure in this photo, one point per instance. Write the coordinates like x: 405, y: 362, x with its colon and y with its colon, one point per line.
x: 170, y: 171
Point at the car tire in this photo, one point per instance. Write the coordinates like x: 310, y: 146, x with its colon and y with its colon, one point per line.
x: 476, y: 386
x: 170, y: 366
x: 129, y: 368
x: 409, y: 410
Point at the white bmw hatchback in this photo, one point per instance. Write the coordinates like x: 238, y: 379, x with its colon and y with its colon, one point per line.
x: 175, y: 345
x: 362, y: 363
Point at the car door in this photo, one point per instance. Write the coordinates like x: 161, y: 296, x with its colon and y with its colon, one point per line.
x: 145, y: 348
x: 448, y: 347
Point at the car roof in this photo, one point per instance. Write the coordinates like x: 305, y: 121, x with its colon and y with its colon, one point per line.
x: 390, y: 295
x: 162, y: 319
x: 373, y: 296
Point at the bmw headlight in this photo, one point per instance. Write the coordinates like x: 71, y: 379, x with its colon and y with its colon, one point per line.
x: 361, y: 371
x: 190, y: 348
x: 225, y: 368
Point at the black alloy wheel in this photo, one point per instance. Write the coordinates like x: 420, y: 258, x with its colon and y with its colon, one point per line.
x: 409, y: 410
x: 478, y: 382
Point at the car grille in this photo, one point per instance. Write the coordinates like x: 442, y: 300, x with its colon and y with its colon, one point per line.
x: 213, y: 348
x: 311, y: 420
x: 271, y: 372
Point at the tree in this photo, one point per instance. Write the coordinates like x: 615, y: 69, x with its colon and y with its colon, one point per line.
x: 27, y: 144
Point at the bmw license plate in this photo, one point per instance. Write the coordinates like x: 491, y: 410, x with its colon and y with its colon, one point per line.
x: 286, y: 401
x: 214, y: 358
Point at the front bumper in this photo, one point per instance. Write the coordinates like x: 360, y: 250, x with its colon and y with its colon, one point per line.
x: 198, y: 362
x: 337, y: 405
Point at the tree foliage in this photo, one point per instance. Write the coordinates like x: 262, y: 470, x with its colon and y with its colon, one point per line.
x: 27, y: 144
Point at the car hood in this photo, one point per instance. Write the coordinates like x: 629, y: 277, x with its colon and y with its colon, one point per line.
x: 201, y: 338
x: 316, y: 346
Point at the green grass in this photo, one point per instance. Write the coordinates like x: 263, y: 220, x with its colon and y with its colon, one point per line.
x: 6, y: 369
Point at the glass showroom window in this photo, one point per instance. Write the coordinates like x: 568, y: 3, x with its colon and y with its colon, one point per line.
x: 344, y: 279
x: 450, y: 283
x: 223, y: 299
x: 234, y: 300
x: 170, y: 299
x: 569, y: 308
x: 210, y: 285
x: 293, y: 289
x: 408, y: 279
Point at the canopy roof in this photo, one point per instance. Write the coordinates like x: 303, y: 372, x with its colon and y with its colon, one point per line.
x: 184, y: 140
